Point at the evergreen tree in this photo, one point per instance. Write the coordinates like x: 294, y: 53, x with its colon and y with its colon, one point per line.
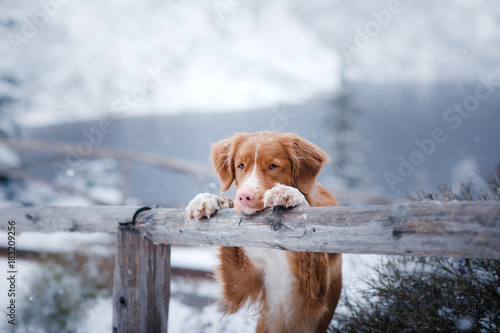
x: 346, y: 142
x: 11, y: 96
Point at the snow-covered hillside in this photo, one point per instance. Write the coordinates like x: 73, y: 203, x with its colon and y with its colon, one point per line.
x: 80, y: 60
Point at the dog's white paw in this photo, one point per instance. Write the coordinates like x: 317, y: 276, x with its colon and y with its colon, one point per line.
x: 282, y: 195
x: 205, y: 204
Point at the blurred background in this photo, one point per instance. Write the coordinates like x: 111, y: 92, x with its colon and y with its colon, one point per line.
x: 117, y: 102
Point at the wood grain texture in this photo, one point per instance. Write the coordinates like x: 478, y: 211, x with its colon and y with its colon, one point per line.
x: 141, y: 286
x: 465, y: 229
x: 72, y: 219
x: 458, y: 229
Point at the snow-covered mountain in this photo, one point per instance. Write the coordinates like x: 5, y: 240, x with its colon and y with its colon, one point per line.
x: 80, y: 60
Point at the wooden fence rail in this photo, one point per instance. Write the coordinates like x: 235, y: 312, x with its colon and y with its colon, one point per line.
x: 465, y: 229
x: 175, y: 164
x: 142, y: 269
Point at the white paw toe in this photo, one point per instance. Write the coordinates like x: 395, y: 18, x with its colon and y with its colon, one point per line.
x: 205, y: 204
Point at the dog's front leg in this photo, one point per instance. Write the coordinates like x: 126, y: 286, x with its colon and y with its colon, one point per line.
x: 241, y: 281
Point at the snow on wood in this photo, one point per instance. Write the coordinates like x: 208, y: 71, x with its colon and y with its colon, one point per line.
x: 463, y: 229
x: 72, y: 219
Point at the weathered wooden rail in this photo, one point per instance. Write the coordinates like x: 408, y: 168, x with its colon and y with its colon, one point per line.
x: 142, y: 269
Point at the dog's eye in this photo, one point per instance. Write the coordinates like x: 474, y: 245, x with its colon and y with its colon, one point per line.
x: 241, y: 166
x: 273, y: 166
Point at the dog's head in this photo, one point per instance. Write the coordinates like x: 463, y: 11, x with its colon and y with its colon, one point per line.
x: 258, y: 161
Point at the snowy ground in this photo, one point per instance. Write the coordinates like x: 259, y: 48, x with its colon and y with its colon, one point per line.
x: 192, y: 306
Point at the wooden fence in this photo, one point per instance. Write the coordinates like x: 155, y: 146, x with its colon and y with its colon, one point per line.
x: 142, y: 268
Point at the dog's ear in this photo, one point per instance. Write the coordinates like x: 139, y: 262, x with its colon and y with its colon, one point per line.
x: 222, y: 160
x: 307, y: 160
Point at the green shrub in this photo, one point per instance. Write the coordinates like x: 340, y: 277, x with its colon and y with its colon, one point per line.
x: 429, y: 294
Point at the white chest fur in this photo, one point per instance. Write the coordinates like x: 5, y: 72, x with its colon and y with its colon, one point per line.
x: 278, y: 278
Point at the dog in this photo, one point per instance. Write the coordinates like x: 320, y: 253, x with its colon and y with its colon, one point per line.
x: 293, y: 291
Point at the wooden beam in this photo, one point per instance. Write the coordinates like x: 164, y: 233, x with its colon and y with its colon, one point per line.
x: 141, y: 286
x: 78, y: 219
x: 456, y: 229
x: 176, y: 164
x: 465, y: 229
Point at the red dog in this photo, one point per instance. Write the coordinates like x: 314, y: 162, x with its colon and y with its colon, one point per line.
x: 295, y: 291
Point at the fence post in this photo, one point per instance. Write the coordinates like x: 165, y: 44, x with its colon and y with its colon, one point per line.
x: 141, y: 288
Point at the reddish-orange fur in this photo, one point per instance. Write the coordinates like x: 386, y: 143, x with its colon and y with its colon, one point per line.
x: 317, y: 276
